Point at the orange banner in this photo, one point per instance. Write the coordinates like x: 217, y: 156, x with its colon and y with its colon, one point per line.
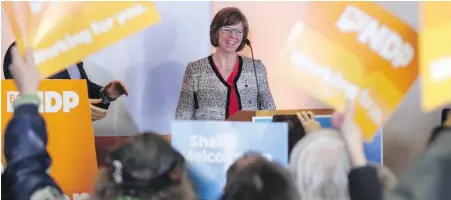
x: 63, y: 33
x: 352, y: 50
x: 435, y: 51
x: 65, y: 108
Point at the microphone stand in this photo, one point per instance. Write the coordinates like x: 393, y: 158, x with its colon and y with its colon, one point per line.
x: 248, y: 42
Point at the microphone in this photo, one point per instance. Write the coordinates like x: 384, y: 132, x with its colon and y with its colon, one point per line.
x: 248, y: 43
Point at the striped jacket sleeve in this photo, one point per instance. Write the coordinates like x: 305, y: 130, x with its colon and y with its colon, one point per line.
x: 185, y: 107
x: 266, y: 100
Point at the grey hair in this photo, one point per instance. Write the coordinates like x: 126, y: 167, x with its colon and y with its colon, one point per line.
x: 320, y: 165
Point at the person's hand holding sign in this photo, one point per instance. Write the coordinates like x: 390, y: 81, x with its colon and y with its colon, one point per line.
x: 25, y: 72
x: 351, y: 134
x: 25, y: 139
x: 109, y: 93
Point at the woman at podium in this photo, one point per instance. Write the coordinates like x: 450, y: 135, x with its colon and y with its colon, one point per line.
x: 218, y: 86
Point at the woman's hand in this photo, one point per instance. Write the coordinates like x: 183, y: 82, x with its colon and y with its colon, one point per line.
x: 351, y: 133
x: 308, y: 121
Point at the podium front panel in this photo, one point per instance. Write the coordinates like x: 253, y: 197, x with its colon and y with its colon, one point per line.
x: 210, y: 147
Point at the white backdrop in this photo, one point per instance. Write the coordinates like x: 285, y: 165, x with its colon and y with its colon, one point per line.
x: 152, y: 63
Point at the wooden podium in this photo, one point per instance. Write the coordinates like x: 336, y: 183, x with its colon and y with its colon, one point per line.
x: 295, y: 130
x: 246, y: 116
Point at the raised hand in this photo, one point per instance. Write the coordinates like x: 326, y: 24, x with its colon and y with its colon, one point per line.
x: 25, y: 73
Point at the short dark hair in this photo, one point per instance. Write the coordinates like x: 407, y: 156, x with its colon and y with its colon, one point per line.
x: 444, y: 115
x: 146, y: 166
x: 7, y: 61
x: 263, y: 180
x: 234, y: 168
x: 226, y: 17
x: 437, y: 130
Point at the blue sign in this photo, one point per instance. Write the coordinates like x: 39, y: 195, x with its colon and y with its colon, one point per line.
x: 373, y: 149
x: 210, y: 147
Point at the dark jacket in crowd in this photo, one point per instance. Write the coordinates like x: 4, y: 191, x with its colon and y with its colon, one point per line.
x: 27, y: 159
x: 429, y: 178
x: 364, y: 184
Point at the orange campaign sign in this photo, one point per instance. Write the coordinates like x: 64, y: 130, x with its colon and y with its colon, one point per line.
x: 63, y: 32
x: 352, y: 50
x: 65, y: 108
x: 435, y: 54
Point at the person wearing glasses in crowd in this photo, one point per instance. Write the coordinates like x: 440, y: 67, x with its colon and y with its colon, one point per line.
x: 218, y: 86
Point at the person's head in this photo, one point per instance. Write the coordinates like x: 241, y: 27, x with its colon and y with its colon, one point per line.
x: 7, y: 61
x: 261, y: 180
x: 241, y: 163
x: 229, y: 29
x: 320, y: 165
x: 147, y: 168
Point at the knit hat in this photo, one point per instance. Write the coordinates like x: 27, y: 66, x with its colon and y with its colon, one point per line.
x: 144, y: 164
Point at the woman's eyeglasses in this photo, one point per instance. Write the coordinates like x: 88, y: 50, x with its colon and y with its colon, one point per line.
x: 230, y: 30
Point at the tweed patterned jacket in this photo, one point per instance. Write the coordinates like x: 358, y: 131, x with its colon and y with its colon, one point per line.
x: 205, y: 94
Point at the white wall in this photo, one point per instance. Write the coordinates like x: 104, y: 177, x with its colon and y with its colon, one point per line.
x: 152, y: 63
